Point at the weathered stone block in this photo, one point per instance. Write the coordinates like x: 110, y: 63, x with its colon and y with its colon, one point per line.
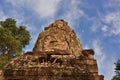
x: 57, y: 55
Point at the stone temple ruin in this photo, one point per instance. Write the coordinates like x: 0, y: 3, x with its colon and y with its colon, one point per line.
x: 57, y: 55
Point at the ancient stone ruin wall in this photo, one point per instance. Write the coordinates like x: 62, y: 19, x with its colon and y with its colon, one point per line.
x: 58, y: 36
x: 57, y: 55
x: 37, y: 66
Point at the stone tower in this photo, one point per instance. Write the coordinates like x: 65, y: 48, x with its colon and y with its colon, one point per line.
x: 57, y: 55
x: 58, y: 36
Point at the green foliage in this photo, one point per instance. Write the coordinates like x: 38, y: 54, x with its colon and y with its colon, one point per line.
x: 117, y: 71
x: 12, y: 38
x: 4, y: 59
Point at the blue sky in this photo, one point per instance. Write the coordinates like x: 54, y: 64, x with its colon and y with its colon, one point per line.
x: 96, y: 23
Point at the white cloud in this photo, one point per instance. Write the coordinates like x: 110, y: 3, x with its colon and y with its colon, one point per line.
x: 100, y: 55
x: 18, y: 17
x: 108, y: 69
x: 73, y: 11
x: 2, y: 15
x: 47, y: 9
x: 96, y: 25
x: 108, y: 23
x: 113, y: 4
x: 112, y: 17
x: 86, y: 47
x: 105, y: 63
x: 113, y: 20
x: 12, y: 14
x: 31, y: 27
x: 104, y: 28
x: 44, y: 8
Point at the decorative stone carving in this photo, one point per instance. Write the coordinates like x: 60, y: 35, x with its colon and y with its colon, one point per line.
x: 58, y: 36
x: 57, y: 55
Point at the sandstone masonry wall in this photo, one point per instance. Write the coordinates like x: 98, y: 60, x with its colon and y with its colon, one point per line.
x: 57, y: 55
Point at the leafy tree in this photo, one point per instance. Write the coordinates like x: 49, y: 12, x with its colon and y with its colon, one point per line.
x: 117, y: 71
x: 4, y: 59
x: 12, y: 40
